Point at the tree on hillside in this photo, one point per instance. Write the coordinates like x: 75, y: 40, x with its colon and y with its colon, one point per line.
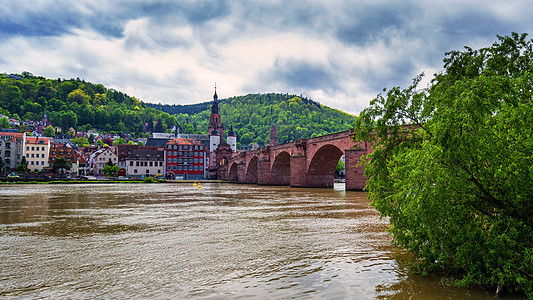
x: 49, y: 131
x: 80, y: 142
x: 4, y: 122
x: 452, y: 163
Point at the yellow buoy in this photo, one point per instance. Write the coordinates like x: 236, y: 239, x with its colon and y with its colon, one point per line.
x: 199, y: 186
x: 194, y: 183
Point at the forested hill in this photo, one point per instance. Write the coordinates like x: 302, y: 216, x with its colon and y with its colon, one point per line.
x: 82, y: 105
x: 78, y: 104
x: 253, y: 115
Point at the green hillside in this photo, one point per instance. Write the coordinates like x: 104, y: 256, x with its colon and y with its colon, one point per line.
x: 253, y: 115
x: 83, y: 105
x: 76, y: 103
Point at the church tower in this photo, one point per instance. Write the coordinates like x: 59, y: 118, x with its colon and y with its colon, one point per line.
x: 215, y: 121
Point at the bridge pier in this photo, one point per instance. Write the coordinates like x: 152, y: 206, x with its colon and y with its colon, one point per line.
x: 263, y: 172
x: 355, y: 179
x: 298, y: 171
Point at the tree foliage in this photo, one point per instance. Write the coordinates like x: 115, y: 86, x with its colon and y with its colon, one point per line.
x: 23, y: 166
x: 76, y: 103
x: 452, y: 166
x: 62, y: 163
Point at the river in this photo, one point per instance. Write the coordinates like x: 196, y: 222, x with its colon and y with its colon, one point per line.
x: 222, y: 241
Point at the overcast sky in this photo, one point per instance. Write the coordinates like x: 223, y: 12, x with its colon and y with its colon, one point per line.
x: 339, y: 53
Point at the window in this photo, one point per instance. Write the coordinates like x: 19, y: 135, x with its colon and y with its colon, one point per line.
x: 169, y: 160
x: 201, y: 147
x: 136, y: 164
x: 32, y: 155
x: 27, y: 148
x: 131, y: 164
x: 31, y: 162
x: 151, y: 164
x: 147, y: 171
x: 32, y: 148
x: 42, y: 148
x: 135, y: 171
x: 175, y: 147
x: 180, y: 160
x: 158, y: 171
x: 180, y: 153
x: 185, y: 147
x: 179, y: 168
x: 42, y: 163
x: 168, y: 167
x: 196, y: 160
x: 160, y: 163
x: 175, y: 153
x: 169, y: 147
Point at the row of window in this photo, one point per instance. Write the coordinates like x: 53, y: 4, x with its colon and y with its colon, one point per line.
x: 34, y: 148
x: 185, y: 160
x: 103, y: 158
x: 185, y: 147
x: 185, y: 168
x: 180, y: 153
x: 8, y: 147
x: 34, y: 155
x: 146, y: 164
x: 36, y: 163
x: 135, y: 171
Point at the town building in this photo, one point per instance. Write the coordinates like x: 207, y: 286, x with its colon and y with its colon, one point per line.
x: 36, y: 151
x: 12, y: 148
x: 145, y: 162
x: 123, y: 151
x: 185, y: 158
x: 99, y: 158
x: 76, y: 160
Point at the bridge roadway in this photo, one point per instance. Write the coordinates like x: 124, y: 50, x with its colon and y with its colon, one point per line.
x: 302, y: 163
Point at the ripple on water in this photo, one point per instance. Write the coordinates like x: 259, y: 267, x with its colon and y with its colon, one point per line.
x: 176, y: 241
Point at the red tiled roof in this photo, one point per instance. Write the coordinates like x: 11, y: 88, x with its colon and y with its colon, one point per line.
x: 184, y: 142
x: 35, y: 140
x: 13, y: 135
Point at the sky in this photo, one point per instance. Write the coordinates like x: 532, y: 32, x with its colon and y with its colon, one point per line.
x: 339, y: 53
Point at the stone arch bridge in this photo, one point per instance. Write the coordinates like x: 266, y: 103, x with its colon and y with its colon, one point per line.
x: 302, y: 163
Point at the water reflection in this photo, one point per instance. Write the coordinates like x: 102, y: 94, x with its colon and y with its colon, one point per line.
x: 221, y: 241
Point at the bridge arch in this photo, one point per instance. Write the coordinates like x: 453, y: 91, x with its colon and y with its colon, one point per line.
x: 233, y: 175
x: 251, y: 170
x: 281, y: 169
x: 321, y: 170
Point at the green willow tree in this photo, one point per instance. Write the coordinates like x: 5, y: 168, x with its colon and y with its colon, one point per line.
x: 453, y: 166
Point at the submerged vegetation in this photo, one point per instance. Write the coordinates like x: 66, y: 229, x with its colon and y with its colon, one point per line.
x: 452, y: 167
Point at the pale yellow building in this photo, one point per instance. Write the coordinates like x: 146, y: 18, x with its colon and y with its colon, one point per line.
x: 36, y: 152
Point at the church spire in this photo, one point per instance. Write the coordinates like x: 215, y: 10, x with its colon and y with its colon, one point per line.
x: 214, y: 107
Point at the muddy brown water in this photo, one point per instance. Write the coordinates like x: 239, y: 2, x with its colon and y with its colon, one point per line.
x: 223, y: 241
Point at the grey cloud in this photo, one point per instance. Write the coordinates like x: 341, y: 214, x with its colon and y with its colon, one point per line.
x: 302, y: 74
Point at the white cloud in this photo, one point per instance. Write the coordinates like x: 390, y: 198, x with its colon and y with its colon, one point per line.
x: 340, y: 53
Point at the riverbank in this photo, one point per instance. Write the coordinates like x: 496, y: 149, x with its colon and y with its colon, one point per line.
x: 76, y: 181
